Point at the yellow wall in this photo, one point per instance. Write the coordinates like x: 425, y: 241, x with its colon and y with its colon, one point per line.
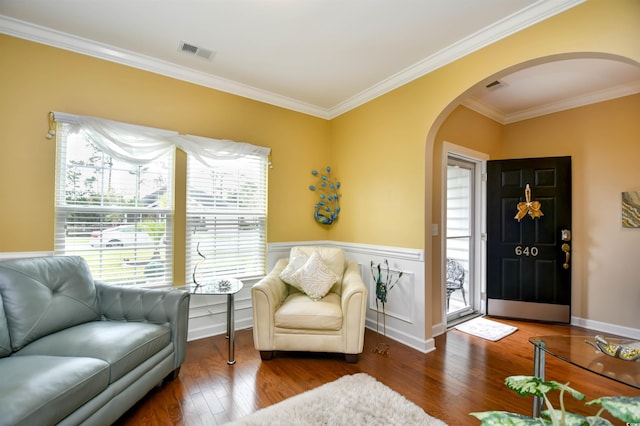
x: 602, y: 140
x: 604, y: 143
x: 382, y: 152
x: 36, y: 79
x: 392, y: 131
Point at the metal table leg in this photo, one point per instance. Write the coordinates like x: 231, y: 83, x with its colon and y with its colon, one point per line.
x: 231, y: 328
x: 538, y: 371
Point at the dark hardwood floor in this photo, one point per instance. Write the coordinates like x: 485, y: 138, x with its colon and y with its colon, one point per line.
x: 464, y: 374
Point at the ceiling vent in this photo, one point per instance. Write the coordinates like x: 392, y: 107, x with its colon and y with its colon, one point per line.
x: 494, y: 85
x: 191, y: 49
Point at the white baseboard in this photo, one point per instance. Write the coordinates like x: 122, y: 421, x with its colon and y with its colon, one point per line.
x: 424, y: 346
x: 438, y: 329
x: 630, y: 332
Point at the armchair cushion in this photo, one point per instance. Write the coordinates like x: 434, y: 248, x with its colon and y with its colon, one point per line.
x: 314, y: 278
x: 301, y: 313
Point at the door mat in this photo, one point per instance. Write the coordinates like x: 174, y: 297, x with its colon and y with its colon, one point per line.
x: 487, y: 329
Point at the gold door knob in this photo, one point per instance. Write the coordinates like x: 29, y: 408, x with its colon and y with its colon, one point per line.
x: 566, y: 248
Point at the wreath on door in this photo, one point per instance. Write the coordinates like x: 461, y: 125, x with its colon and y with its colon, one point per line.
x: 528, y: 207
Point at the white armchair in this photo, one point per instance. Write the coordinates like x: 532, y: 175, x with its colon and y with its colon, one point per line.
x: 286, y: 318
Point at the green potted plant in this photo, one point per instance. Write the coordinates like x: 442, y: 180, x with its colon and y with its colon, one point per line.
x: 623, y: 408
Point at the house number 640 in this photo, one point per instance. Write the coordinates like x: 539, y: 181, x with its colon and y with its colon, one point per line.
x: 526, y: 251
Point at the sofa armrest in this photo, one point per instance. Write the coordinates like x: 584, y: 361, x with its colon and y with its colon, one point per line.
x: 157, y: 306
x: 266, y: 296
x: 354, y: 307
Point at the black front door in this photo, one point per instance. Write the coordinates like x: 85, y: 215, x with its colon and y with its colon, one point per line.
x: 529, y: 239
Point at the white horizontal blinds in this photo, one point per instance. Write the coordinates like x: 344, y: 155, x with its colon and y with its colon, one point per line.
x: 226, y: 216
x: 114, y: 209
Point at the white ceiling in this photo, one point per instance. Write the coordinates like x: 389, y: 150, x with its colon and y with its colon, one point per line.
x: 320, y: 57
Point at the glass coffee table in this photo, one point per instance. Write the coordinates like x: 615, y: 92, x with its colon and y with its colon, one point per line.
x: 220, y: 287
x: 575, y: 350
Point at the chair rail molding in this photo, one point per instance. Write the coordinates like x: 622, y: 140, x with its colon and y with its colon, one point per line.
x: 22, y: 254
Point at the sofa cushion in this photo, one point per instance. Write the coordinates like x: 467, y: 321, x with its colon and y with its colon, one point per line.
x: 42, y: 390
x: 124, y: 345
x: 5, y: 341
x: 45, y: 294
x: 298, y: 312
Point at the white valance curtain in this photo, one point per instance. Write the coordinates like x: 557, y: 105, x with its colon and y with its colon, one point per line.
x: 141, y: 145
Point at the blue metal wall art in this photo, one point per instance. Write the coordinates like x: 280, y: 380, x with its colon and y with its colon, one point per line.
x: 328, y: 208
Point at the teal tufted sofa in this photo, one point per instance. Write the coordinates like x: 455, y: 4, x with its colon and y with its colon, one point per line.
x: 78, y: 351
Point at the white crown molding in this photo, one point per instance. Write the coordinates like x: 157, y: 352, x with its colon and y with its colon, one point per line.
x: 47, y: 36
x: 550, y: 108
x: 527, y: 17
x: 575, y: 102
x: 531, y: 15
x: 484, y: 109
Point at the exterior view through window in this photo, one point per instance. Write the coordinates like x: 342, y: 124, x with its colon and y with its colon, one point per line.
x: 116, y: 214
x: 460, y: 235
x: 226, y: 218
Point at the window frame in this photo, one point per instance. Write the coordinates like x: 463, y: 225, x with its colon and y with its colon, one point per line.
x: 142, y: 258
x: 245, y: 222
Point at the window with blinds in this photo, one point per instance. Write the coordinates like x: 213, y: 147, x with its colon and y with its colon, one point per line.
x: 114, y: 213
x: 226, y: 218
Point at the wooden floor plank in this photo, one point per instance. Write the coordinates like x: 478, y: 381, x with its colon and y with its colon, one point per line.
x: 464, y: 374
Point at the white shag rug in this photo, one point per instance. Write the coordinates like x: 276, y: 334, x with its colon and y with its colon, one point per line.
x: 487, y: 329
x: 353, y: 400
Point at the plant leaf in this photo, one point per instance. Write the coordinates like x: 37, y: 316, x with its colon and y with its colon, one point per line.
x: 530, y: 385
x: 503, y: 418
x: 572, y: 419
x: 625, y: 408
x: 598, y: 421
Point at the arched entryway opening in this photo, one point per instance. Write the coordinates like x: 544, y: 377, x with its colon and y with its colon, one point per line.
x: 458, y: 114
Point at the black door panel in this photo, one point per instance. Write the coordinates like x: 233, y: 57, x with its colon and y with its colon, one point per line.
x: 525, y: 258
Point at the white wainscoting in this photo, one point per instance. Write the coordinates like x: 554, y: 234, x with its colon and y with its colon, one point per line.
x: 208, y: 314
x: 405, y: 307
x: 405, y: 311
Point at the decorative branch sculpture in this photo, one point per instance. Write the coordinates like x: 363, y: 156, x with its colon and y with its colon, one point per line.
x: 195, y: 268
x: 328, y: 208
x: 383, y: 286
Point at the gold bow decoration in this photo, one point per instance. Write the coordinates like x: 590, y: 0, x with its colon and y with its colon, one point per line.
x: 532, y: 208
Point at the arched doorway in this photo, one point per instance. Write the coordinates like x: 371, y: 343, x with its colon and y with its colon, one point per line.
x: 467, y: 101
